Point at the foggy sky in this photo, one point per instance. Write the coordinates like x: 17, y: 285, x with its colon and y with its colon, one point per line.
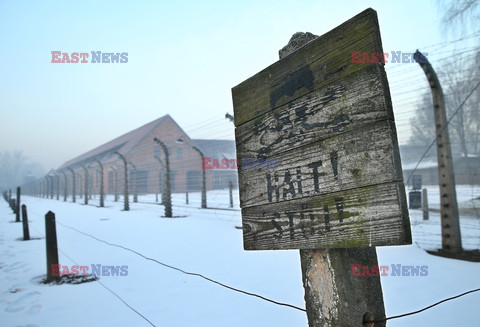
x: 183, y: 60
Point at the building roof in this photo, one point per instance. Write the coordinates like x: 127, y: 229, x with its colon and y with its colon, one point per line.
x: 123, y: 144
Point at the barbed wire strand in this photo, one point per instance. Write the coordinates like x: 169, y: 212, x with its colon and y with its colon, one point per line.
x: 235, y: 289
x: 426, y: 308
x: 253, y: 294
x: 443, y: 128
x: 98, y: 280
x: 184, y: 271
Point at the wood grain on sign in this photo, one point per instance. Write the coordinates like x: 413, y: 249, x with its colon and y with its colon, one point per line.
x: 340, y: 106
x: 359, y: 158
x: 328, y: 125
x: 311, y: 67
x: 355, y: 217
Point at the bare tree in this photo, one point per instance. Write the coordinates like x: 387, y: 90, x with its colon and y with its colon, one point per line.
x: 460, y: 13
x: 423, y: 128
x: 459, y: 77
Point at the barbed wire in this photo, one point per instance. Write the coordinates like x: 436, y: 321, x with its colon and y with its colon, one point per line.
x: 443, y: 128
x: 233, y: 288
x: 102, y: 284
x: 213, y: 126
x: 184, y: 271
x: 426, y: 308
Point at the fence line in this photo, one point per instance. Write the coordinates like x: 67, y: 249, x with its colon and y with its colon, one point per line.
x: 225, y: 285
x: 253, y: 294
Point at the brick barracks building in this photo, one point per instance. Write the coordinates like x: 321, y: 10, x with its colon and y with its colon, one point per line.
x: 146, y: 162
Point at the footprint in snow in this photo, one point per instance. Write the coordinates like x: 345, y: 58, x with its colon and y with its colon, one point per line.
x: 15, y: 266
x: 25, y: 301
x: 35, y: 308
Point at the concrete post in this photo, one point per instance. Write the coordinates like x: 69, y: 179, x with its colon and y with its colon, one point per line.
x: 168, y: 197
x: 451, y: 238
x: 126, y: 205
x: 102, y: 203
x: 65, y: 186
x: 85, y: 184
x: 204, y: 182
x: 73, y: 184
x: 161, y: 181
x: 115, y: 180
x: 135, y: 194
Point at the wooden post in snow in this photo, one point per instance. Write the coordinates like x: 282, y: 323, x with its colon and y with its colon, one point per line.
x: 17, y: 205
x: 337, y: 191
x: 51, y: 244
x: 13, y: 205
x: 26, y: 232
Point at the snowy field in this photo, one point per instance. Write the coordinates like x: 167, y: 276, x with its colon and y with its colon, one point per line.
x: 206, y: 242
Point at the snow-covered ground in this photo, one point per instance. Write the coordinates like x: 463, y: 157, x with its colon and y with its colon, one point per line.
x: 206, y: 242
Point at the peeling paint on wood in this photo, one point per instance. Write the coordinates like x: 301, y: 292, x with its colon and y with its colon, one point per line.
x: 335, y: 298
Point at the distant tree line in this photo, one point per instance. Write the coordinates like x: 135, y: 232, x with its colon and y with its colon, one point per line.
x: 16, y: 169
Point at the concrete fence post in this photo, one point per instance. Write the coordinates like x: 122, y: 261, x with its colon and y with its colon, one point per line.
x: 126, y: 205
x: 168, y: 197
x: 73, y: 184
x: 135, y: 194
x: 85, y: 186
x: 65, y: 187
x: 102, y: 186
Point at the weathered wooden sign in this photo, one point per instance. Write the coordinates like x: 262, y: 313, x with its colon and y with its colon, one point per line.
x: 329, y: 124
